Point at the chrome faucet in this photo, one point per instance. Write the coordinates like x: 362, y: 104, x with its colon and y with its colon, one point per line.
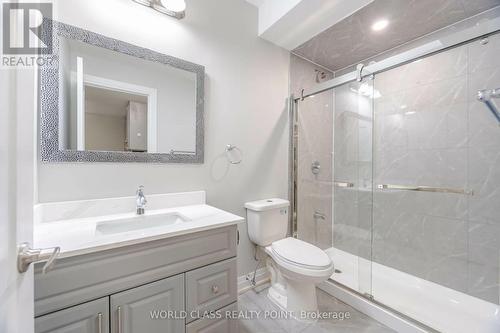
x: 140, y: 200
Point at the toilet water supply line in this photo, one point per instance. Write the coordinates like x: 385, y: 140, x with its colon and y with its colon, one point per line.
x: 252, y: 280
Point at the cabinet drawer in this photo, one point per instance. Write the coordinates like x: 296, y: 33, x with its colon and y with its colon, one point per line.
x: 91, y: 317
x: 210, y: 288
x: 219, y: 325
x: 144, y: 309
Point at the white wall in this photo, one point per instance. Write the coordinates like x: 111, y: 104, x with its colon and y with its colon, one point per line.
x: 246, y: 91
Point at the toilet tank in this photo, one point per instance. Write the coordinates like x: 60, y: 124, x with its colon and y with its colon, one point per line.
x: 267, y: 220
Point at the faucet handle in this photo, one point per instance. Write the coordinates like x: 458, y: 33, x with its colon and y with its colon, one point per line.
x: 319, y: 216
x: 141, y: 198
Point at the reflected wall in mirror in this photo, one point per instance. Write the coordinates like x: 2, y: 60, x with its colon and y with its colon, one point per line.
x: 116, y: 102
x: 115, y: 121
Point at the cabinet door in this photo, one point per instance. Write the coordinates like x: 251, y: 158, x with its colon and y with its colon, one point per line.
x: 223, y: 323
x: 91, y: 317
x: 210, y: 288
x: 146, y: 308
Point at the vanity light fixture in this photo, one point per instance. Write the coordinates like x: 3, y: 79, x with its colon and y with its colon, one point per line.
x: 380, y: 25
x: 174, y: 8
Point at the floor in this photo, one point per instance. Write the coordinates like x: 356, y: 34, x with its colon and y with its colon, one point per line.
x: 343, y: 318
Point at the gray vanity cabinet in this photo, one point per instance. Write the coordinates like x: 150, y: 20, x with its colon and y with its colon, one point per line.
x: 134, y: 310
x: 91, y: 317
x: 116, y: 290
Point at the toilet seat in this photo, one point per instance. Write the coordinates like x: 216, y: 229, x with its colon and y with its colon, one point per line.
x: 302, y: 254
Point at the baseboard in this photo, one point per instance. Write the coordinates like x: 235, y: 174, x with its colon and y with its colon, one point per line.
x: 373, y: 310
x: 261, y: 277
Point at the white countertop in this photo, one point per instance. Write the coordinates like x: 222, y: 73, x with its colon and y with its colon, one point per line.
x: 78, y: 236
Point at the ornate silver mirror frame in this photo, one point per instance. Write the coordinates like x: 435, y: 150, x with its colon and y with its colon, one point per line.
x: 49, y: 99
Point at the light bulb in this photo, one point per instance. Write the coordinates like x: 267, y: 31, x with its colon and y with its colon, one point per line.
x: 380, y: 25
x: 176, y: 6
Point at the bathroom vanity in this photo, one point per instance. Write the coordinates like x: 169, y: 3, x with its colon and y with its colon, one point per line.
x: 113, y: 276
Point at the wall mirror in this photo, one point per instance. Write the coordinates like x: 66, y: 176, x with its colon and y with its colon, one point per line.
x: 104, y: 100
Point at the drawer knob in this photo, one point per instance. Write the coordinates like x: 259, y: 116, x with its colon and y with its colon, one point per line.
x: 215, y: 289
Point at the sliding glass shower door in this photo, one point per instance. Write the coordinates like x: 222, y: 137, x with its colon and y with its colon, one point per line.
x: 398, y: 179
x: 436, y: 226
x: 334, y: 179
x: 352, y: 182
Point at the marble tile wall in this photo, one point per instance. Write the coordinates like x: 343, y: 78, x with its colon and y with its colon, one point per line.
x: 429, y: 129
x: 484, y: 174
x: 315, y: 121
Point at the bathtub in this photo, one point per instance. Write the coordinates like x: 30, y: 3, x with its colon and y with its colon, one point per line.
x: 444, y: 309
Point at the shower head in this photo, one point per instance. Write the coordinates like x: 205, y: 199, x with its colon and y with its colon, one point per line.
x: 320, y: 76
x: 486, y: 97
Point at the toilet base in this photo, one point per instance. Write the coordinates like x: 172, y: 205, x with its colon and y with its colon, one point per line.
x: 277, y: 296
x: 295, y: 297
x: 301, y: 299
x: 277, y: 291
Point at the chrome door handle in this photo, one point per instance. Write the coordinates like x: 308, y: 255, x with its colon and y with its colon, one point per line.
x: 343, y: 184
x: 425, y: 189
x: 26, y: 256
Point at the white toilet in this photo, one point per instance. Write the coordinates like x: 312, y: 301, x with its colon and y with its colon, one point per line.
x: 295, y: 266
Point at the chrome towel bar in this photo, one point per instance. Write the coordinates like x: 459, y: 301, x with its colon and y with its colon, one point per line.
x: 425, y: 189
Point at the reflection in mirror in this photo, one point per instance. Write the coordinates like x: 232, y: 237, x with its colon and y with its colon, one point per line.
x: 114, y: 121
x: 110, y: 101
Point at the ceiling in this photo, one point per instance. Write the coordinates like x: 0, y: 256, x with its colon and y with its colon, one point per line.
x: 290, y: 23
x: 352, y: 40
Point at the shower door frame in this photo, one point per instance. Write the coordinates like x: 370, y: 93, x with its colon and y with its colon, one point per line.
x: 467, y: 35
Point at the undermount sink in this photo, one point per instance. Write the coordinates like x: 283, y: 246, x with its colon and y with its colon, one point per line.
x: 139, y: 222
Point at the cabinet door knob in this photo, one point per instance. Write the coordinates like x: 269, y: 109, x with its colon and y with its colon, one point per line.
x: 215, y: 289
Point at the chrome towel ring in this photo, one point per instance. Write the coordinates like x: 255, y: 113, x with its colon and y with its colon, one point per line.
x: 229, y: 150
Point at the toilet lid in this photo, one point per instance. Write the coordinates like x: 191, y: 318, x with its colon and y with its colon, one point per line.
x: 300, y: 252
